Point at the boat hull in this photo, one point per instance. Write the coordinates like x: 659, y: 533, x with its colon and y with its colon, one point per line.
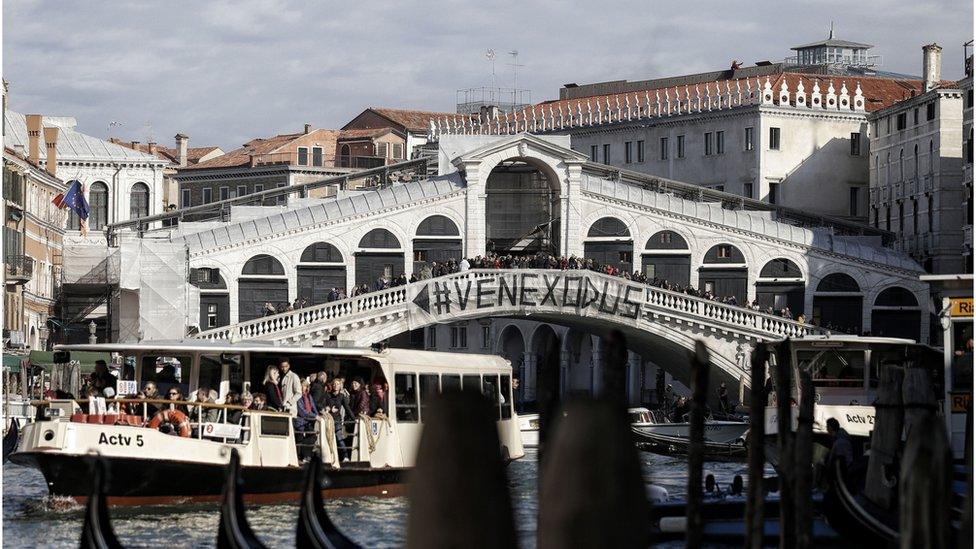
x: 140, y: 481
x: 715, y: 431
x: 678, y: 446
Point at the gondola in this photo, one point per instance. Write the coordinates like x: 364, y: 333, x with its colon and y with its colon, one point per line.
x: 678, y: 446
x: 96, y: 533
x: 315, y: 529
x: 852, y: 514
x: 10, y: 440
x: 234, y: 532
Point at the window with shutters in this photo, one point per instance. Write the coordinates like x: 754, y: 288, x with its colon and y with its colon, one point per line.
x: 98, y: 206
x: 720, y: 142
x: 139, y: 201
x: 303, y: 156
x: 316, y: 156
x: 640, y: 150
x: 749, y: 143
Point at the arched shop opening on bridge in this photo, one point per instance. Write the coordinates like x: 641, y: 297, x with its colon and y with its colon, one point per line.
x: 667, y: 257
x: 780, y: 285
x: 438, y: 240
x: 262, y: 280
x: 511, y: 346
x: 214, y: 297
x: 321, y: 268
x: 724, y: 273
x: 380, y: 255
x: 545, y: 347
x: 522, y: 209
x: 896, y: 313
x: 608, y: 242
x: 837, y: 304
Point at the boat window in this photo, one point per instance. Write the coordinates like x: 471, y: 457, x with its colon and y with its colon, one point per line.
x: 471, y: 383
x: 406, y: 398
x: 833, y: 367
x: 210, y: 373
x: 506, y: 391
x: 490, y: 387
x: 429, y: 387
x: 450, y: 383
x: 640, y: 417
x: 167, y: 372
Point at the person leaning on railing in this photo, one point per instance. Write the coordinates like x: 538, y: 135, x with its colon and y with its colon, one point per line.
x: 304, y: 423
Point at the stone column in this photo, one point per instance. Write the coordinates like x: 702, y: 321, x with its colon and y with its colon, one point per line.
x: 571, y: 197
x: 528, y: 380
x: 634, y: 367
x: 475, y: 198
x: 596, y: 366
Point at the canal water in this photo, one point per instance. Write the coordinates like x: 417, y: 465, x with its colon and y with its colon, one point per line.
x: 31, y: 520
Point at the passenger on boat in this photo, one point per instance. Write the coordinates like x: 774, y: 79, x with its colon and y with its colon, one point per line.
x: 176, y: 394
x: 149, y: 392
x: 723, y: 398
x: 359, y: 397
x: 260, y: 402
x: 337, y: 405
x: 681, y: 409
x: 291, y: 386
x: 201, y: 413
x: 304, y: 422
x: 319, y: 388
x: 247, y: 400
x: 841, y: 448
x: 102, y: 379
x: 233, y: 416
x: 272, y: 389
x: 377, y: 401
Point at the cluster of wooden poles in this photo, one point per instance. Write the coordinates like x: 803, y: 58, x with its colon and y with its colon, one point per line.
x: 591, y: 489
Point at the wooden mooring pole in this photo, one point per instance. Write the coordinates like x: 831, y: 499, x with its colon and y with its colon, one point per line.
x: 784, y: 435
x: 803, y: 464
x: 925, y: 492
x: 757, y: 448
x: 696, y: 446
x: 885, y: 438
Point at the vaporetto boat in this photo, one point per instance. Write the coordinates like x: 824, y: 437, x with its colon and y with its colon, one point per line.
x: 149, y: 466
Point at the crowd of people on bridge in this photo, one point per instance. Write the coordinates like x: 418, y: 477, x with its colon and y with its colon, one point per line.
x: 537, y: 261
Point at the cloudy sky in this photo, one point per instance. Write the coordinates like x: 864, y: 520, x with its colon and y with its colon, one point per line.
x: 225, y: 72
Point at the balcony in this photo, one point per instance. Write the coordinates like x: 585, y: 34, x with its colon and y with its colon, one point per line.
x: 18, y: 269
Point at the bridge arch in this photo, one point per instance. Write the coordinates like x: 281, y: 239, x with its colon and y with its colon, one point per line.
x: 511, y: 346
x: 838, y: 303
x: 781, y: 285
x: 609, y: 241
x: 262, y: 280
x: 436, y: 239
x: 579, y: 350
x: 522, y: 207
x: 380, y: 254
x: 896, y: 313
x: 667, y: 256
x: 724, y: 272
x: 321, y: 267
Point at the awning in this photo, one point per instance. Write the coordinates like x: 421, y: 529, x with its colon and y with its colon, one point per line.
x: 45, y: 359
x: 12, y: 362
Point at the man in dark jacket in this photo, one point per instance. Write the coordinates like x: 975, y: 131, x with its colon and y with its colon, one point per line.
x: 320, y: 387
x: 337, y: 405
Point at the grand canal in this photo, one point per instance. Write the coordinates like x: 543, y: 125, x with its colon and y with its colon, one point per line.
x: 30, y: 520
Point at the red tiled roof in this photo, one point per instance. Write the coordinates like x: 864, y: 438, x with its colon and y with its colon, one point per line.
x: 242, y: 156
x: 878, y: 92
x: 415, y: 121
x: 363, y: 134
x: 193, y: 154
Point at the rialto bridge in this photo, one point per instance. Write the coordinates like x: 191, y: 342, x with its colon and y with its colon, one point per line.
x: 522, y: 194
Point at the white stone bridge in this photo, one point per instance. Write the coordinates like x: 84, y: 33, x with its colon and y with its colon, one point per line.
x: 655, y: 320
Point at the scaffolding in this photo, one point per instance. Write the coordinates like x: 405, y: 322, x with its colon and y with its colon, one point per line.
x: 506, y: 100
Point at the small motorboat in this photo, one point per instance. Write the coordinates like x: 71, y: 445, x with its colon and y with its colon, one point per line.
x: 724, y: 440
x: 529, y: 424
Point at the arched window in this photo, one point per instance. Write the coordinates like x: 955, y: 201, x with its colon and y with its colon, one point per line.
x: 916, y: 161
x: 263, y: 264
x: 321, y: 252
x: 608, y: 226
x: 139, y: 201
x: 98, y: 206
x: 437, y: 225
x: 915, y: 215
x: 724, y: 253
x: 838, y: 282
x: 901, y: 165
x: 780, y: 268
x: 666, y: 240
x: 345, y: 159
x: 901, y: 217
x: 380, y: 238
x: 896, y: 296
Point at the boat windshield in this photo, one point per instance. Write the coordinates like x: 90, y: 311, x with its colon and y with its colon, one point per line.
x: 833, y: 367
x: 167, y: 372
x: 640, y: 417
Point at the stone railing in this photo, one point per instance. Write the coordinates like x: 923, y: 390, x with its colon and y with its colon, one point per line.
x: 654, y: 301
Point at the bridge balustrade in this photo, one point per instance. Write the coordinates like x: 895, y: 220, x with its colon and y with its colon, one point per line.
x: 396, y: 300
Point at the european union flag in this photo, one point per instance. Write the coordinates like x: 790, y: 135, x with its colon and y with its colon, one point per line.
x: 74, y: 199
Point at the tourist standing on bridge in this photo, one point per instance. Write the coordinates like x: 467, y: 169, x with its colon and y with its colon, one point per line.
x: 463, y: 265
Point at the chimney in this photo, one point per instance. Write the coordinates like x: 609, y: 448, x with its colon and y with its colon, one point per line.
x: 181, y: 141
x: 34, y: 138
x: 932, y: 65
x: 51, y: 142
x: 308, y: 128
x: 152, y: 148
x: 137, y: 146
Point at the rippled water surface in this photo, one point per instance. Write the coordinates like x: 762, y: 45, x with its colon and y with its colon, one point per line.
x: 31, y: 520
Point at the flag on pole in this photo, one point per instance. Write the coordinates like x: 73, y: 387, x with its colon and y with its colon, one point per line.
x: 74, y: 199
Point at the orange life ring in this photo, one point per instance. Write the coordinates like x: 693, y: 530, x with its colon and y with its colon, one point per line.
x: 175, y: 418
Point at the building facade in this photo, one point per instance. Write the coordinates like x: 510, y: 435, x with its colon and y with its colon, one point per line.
x: 917, y: 170
x: 33, y: 247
